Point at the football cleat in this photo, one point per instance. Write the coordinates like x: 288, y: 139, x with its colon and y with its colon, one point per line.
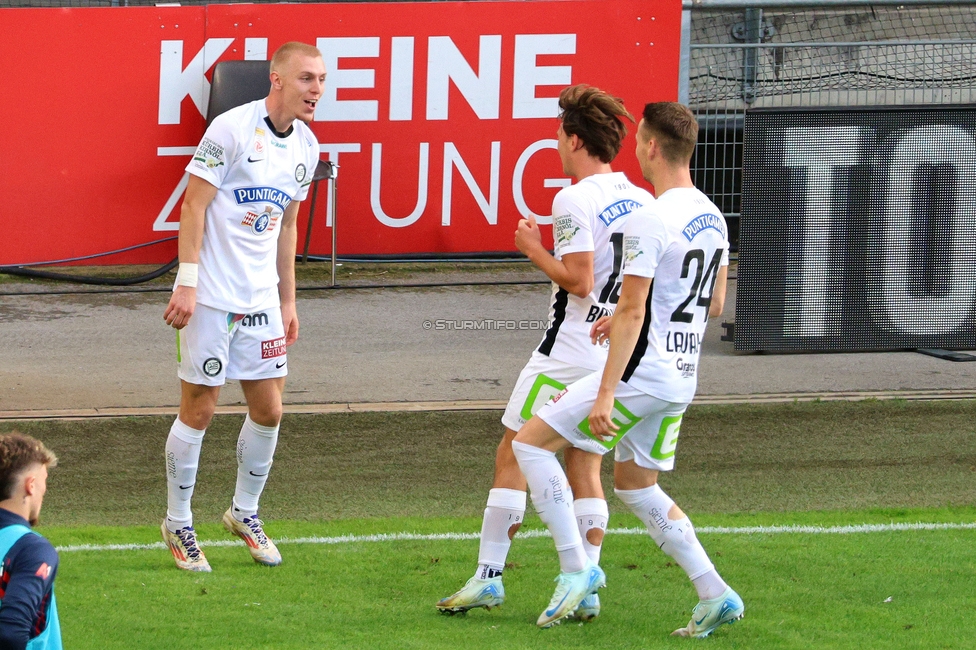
x: 709, y: 614
x: 571, y: 589
x: 589, y: 608
x: 475, y: 593
x: 251, y: 530
x: 183, y: 545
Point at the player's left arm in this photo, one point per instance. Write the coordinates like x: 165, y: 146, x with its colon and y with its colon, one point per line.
x: 625, y: 328
x: 287, y: 245
x: 718, y: 292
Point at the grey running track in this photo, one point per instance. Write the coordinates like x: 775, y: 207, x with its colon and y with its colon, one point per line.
x: 448, y: 347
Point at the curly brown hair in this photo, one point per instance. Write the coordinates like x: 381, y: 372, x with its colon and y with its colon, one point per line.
x: 595, y: 118
x: 18, y: 452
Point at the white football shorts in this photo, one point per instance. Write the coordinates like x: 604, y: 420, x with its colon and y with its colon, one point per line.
x: 541, y: 378
x: 649, y: 427
x: 217, y: 345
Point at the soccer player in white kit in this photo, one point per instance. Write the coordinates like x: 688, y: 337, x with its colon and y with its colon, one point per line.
x: 234, y: 300
x: 674, y: 277
x: 588, y: 219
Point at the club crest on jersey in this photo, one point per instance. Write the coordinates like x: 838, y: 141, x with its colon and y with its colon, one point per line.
x: 259, y: 223
x: 619, y: 209
x: 701, y: 223
x: 300, y: 173
x: 262, y: 195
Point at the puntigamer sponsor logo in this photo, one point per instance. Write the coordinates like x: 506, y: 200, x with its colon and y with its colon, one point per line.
x: 273, y: 348
x: 616, y: 210
x: 261, y: 195
x: 701, y: 223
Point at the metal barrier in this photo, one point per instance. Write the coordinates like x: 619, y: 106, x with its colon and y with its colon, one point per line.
x: 740, y: 54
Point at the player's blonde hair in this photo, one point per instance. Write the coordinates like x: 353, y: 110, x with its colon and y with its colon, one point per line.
x: 19, y: 452
x: 284, y: 53
x: 595, y: 118
x: 674, y: 127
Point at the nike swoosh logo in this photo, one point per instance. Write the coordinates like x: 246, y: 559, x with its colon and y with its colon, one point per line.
x: 258, y: 160
x: 550, y: 612
x: 280, y: 365
x: 702, y: 620
x: 187, y: 487
x: 258, y: 475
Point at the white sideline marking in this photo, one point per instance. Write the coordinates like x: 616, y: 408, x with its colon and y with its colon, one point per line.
x: 396, y: 537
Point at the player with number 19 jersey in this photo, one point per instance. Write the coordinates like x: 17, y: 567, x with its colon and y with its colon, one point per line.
x: 680, y: 242
x: 589, y: 216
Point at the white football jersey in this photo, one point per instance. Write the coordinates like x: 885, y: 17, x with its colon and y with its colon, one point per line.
x: 589, y: 216
x: 680, y: 242
x: 257, y: 173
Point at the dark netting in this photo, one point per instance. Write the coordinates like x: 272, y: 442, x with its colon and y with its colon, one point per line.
x: 906, y: 55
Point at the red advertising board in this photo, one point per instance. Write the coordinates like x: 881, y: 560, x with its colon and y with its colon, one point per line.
x: 442, y: 116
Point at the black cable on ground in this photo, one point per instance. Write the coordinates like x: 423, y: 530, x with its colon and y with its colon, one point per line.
x: 327, y: 287
x: 81, y: 279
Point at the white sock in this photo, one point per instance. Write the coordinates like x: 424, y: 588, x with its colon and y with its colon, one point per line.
x: 553, y: 500
x: 255, y: 452
x: 591, y: 514
x: 182, y: 459
x: 675, y: 537
x: 503, y: 516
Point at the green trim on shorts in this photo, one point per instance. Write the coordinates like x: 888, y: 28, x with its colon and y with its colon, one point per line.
x: 667, y: 438
x: 530, y: 407
x: 630, y: 421
x: 179, y: 357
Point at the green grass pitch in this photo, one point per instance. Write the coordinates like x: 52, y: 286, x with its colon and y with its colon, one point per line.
x: 745, y: 468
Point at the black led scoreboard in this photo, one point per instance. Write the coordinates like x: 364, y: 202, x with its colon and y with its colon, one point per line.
x: 858, y: 230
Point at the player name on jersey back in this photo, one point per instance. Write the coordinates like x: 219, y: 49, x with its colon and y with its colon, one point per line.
x: 682, y: 243
x: 589, y: 217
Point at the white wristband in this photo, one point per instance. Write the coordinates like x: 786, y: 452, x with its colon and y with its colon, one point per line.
x: 186, y: 276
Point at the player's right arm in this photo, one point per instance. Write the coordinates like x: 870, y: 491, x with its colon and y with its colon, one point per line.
x: 574, y: 272
x: 624, y: 330
x: 645, y: 239
x: 572, y: 265
x: 199, y: 195
x: 217, y: 151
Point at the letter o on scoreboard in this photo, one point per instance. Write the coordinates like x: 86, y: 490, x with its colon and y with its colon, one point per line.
x: 858, y: 230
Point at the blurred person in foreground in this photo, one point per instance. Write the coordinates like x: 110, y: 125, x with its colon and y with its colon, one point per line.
x: 28, y: 611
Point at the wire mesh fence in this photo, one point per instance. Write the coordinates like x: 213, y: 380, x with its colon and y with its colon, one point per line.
x: 912, y: 54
